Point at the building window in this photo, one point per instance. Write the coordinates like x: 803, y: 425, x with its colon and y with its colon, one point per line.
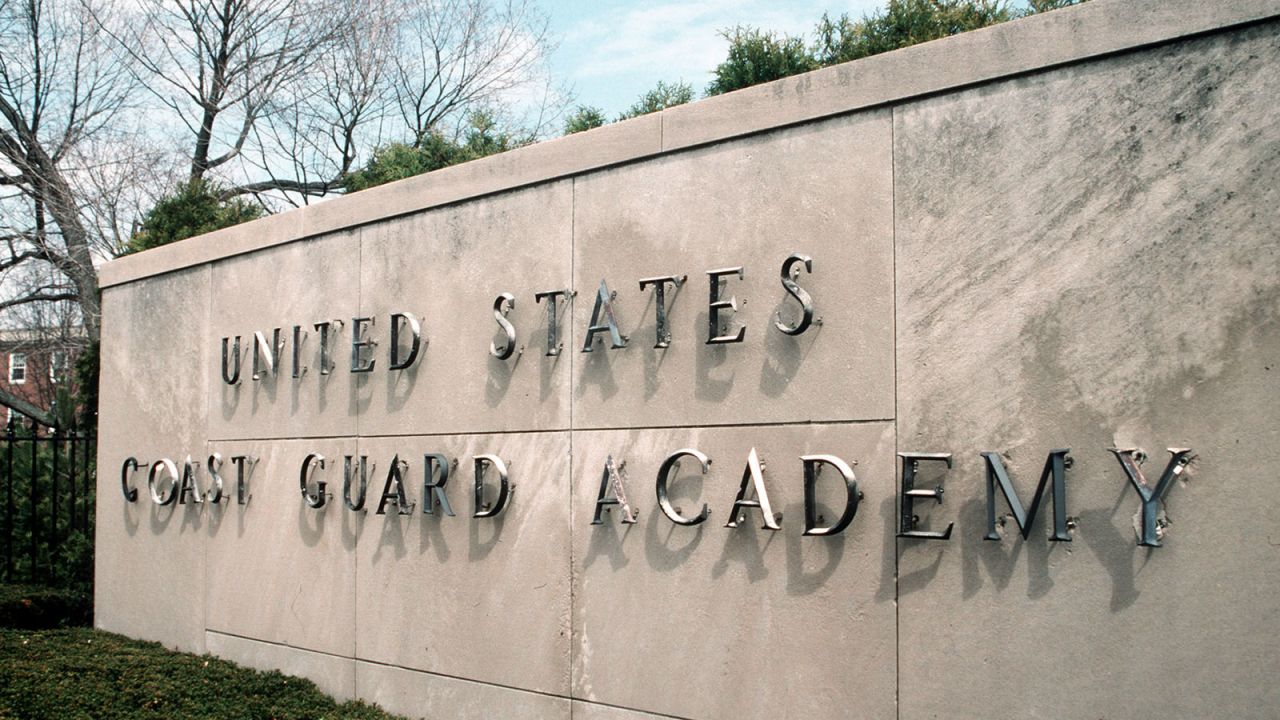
x: 17, y: 368
x: 58, y: 365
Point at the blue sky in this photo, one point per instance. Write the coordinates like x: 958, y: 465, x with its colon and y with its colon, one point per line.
x: 611, y: 51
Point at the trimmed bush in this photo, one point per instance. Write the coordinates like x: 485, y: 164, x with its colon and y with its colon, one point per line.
x: 82, y: 673
x: 33, y: 607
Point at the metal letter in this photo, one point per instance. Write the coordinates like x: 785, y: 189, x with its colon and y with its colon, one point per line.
x: 415, y: 344
x: 189, y: 486
x: 317, y: 500
x: 797, y: 292
x: 604, y: 302
x: 669, y: 465
x: 553, y: 330
x: 483, y: 509
x: 298, y: 337
x: 232, y: 377
x: 753, y: 478
x: 214, y: 463
x: 154, y: 476
x: 812, y: 467
x: 1178, y: 461
x: 242, y: 476
x: 347, y: 475
x: 501, y: 306
x: 403, y: 506
x: 326, y: 363
x: 1055, y: 466
x: 127, y: 469
x: 660, y: 304
x: 612, y: 479
x: 907, y: 523
x: 358, y: 344
x: 432, y: 491
x: 266, y: 355
x: 716, y: 305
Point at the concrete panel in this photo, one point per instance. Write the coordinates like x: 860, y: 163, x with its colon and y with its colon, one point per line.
x: 711, y: 622
x: 823, y: 190
x: 299, y: 561
x: 149, y: 559
x: 481, y: 598
x: 335, y: 676
x: 1088, y: 259
x: 297, y: 284
x: 428, y: 696
x: 447, y: 267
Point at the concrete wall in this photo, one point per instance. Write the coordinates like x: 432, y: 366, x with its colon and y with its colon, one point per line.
x: 1057, y: 233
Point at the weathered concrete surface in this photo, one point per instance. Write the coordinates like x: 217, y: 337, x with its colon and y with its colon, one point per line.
x: 149, y: 559
x: 424, y: 695
x: 708, y: 621
x: 822, y: 190
x: 595, y: 711
x: 1089, y: 259
x: 479, y: 598
x: 447, y: 267
x: 277, y: 570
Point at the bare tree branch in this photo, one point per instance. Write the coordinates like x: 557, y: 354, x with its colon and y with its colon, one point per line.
x: 39, y: 297
x: 8, y: 399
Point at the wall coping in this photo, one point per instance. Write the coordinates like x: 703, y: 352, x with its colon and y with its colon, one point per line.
x: 1070, y: 35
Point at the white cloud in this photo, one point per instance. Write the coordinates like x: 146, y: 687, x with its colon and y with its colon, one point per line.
x: 676, y: 39
x: 636, y: 44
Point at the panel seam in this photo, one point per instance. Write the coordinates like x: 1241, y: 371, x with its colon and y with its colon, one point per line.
x: 538, y: 431
x: 573, y: 233
x: 893, y: 241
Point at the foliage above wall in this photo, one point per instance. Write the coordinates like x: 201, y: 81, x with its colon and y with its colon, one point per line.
x: 756, y: 56
x: 194, y: 208
x: 433, y: 151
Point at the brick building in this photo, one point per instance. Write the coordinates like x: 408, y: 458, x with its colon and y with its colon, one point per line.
x: 38, y: 366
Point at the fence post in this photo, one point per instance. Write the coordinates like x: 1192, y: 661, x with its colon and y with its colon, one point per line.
x: 89, y: 444
x: 72, y: 512
x: 33, y: 517
x: 8, y: 507
x: 53, y: 505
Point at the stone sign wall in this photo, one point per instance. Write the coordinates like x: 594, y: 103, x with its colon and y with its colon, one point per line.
x: 826, y: 398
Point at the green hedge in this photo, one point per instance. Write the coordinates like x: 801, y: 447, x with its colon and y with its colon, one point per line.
x: 83, y: 673
x: 33, y: 607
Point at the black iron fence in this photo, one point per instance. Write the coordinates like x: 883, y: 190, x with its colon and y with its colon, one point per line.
x: 46, y: 522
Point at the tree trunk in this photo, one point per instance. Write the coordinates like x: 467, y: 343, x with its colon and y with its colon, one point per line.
x: 60, y: 202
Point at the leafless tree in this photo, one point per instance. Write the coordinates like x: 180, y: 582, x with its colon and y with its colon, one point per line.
x: 219, y: 66
x: 61, y: 85
x: 313, y: 139
x: 454, y: 55
x: 286, y: 97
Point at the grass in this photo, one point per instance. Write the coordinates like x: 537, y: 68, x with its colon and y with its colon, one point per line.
x: 84, y: 673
